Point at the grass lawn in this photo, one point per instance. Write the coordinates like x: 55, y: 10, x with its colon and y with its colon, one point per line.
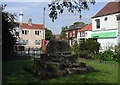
x: 13, y: 73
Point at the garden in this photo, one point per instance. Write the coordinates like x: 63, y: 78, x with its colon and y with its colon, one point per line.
x: 59, y: 66
x: 13, y: 72
x: 89, y: 49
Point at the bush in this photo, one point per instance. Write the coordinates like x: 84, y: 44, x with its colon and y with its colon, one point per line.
x: 75, y: 48
x: 89, y: 45
x: 117, y: 49
x: 108, y: 55
x: 86, y: 48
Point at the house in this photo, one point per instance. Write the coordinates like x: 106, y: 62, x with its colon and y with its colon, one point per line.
x: 71, y: 33
x: 106, y: 25
x: 57, y: 36
x: 84, y: 33
x: 30, y: 35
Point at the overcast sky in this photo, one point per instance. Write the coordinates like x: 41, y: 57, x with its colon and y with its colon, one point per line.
x: 34, y: 10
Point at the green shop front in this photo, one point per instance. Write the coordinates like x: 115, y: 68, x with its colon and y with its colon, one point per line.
x: 106, y: 39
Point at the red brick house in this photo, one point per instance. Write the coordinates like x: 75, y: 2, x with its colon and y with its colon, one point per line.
x: 71, y: 33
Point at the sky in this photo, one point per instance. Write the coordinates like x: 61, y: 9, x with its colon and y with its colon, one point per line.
x: 34, y: 10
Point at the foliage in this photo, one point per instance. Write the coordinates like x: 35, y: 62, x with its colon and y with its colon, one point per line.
x: 48, y: 34
x: 8, y: 37
x: 63, y: 34
x: 58, y: 7
x: 76, y: 23
x: 53, y: 37
x: 106, y: 56
x: 92, y: 46
x: 75, y: 48
x: 86, y: 48
x: 117, y: 49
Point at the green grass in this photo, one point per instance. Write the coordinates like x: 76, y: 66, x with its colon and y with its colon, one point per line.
x: 13, y: 73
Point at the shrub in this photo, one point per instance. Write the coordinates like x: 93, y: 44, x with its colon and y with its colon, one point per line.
x: 75, y: 48
x: 117, y: 49
x: 89, y: 45
x: 86, y: 48
x: 108, y: 55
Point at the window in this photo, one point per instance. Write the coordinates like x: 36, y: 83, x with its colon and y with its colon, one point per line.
x: 22, y: 31
x: 97, y: 23
x: 66, y: 34
x: 25, y: 42
x: 37, y: 32
x: 21, y: 48
x: 105, y: 18
x: 73, y: 33
x: 70, y: 34
x: 25, y: 32
x: 82, y: 34
x: 37, y: 42
x: 118, y: 17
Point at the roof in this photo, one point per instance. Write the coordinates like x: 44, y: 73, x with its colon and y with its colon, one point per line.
x: 110, y: 8
x: 87, y: 28
x: 57, y: 35
x: 77, y: 26
x: 33, y: 26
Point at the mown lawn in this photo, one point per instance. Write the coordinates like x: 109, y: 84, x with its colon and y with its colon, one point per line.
x: 13, y: 73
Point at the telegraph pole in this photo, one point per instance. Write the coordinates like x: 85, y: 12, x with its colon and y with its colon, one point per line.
x: 43, y: 20
x: 44, y: 16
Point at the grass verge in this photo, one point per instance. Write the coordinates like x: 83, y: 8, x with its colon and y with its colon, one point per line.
x: 13, y: 73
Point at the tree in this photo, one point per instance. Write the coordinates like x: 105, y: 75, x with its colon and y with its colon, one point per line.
x: 8, y: 38
x: 48, y: 34
x: 63, y: 34
x: 76, y: 23
x: 58, y: 7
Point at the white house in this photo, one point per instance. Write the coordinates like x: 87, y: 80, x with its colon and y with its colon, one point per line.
x: 84, y: 33
x: 106, y: 25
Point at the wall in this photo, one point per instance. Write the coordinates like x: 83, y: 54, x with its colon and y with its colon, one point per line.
x: 108, y: 31
x: 107, y: 43
x: 87, y: 35
x: 119, y: 31
x: 110, y: 23
x: 32, y: 37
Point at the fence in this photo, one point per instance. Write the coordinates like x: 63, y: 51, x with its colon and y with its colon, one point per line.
x: 33, y: 52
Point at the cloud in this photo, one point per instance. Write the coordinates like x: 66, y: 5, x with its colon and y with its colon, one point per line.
x: 26, y: 0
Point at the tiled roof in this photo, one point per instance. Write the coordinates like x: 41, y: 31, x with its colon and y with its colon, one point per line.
x: 57, y: 35
x: 110, y: 8
x: 33, y: 26
x: 78, y: 26
x: 87, y: 28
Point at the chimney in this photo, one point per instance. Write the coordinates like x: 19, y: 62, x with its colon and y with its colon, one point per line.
x: 30, y: 21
